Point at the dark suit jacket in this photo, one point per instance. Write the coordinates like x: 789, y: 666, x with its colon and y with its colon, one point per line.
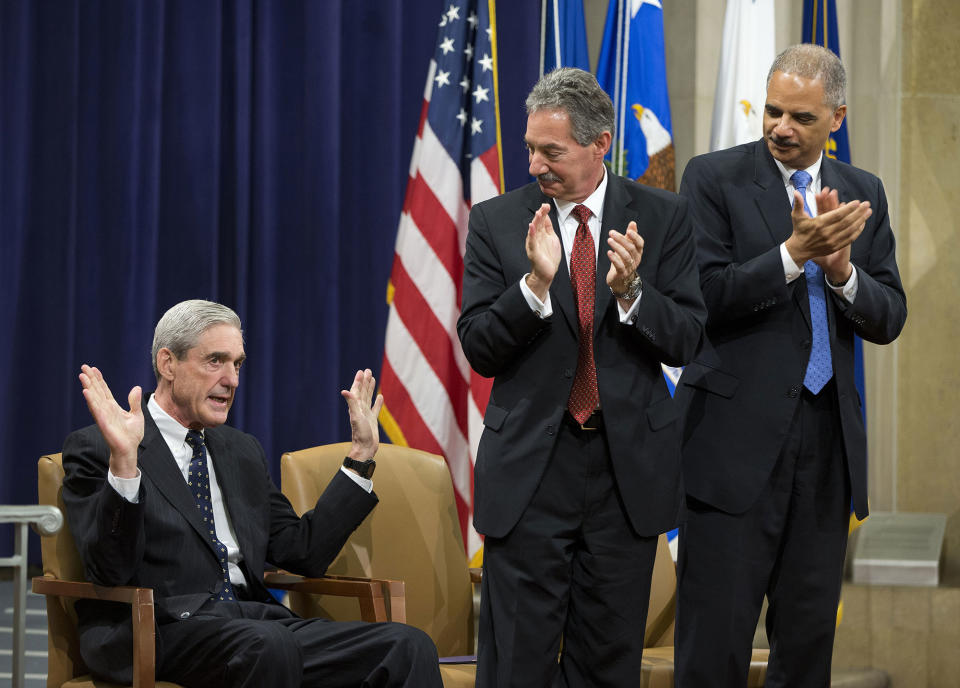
x: 740, y: 393
x: 160, y: 542
x: 534, y: 361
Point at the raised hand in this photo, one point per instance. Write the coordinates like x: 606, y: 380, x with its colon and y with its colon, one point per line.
x: 543, y: 250
x: 626, y: 251
x: 123, y: 430
x: 364, y: 431
x: 826, y: 238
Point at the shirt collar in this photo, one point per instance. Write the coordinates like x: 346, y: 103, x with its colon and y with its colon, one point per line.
x: 813, y: 171
x: 174, y: 434
x: 594, y: 202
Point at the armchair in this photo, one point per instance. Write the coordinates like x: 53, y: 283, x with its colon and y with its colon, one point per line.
x: 63, y: 582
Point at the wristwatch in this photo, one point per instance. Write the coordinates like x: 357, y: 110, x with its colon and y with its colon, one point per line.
x: 363, y: 468
x: 634, y: 287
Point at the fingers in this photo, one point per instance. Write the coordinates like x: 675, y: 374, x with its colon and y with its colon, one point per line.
x: 827, y: 200
x: 134, y: 398
x: 626, y: 249
x: 377, y: 405
x: 361, y: 390
x: 541, y: 220
x: 797, y: 211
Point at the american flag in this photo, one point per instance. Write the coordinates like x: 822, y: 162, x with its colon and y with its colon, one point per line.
x: 432, y: 399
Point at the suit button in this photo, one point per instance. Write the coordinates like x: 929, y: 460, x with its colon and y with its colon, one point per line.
x: 550, y: 430
x: 567, y: 373
x: 805, y: 345
x: 756, y: 307
x: 793, y: 392
x: 184, y: 615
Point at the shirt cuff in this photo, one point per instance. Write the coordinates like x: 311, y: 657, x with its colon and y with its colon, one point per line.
x: 790, y: 269
x: 629, y: 317
x: 847, y: 291
x: 544, y: 309
x: 128, y: 488
x: 365, y: 483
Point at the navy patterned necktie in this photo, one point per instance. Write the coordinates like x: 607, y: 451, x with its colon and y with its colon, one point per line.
x: 198, y: 478
x: 584, y: 396
x: 820, y: 364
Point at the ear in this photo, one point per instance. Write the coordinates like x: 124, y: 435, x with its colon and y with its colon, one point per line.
x: 838, y: 116
x: 602, y: 143
x: 166, y: 362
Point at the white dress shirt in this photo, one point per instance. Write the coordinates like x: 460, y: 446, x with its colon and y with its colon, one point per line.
x: 568, y: 232
x: 175, y: 435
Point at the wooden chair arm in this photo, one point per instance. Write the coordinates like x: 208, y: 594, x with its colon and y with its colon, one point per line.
x: 141, y: 613
x: 373, y: 594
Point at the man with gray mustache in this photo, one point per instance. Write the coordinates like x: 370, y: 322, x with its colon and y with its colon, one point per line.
x: 575, y: 288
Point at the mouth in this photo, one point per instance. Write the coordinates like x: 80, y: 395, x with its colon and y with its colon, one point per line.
x: 220, y: 401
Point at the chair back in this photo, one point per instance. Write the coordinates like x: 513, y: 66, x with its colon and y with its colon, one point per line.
x: 60, y: 560
x: 412, y: 535
x: 663, y: 598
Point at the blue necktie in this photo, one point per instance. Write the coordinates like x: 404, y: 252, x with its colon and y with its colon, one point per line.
x: 198, y: 478
x: 820, y: 365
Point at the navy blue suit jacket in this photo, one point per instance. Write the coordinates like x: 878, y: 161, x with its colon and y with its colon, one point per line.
x: 160, y: 541
x: 740, y: 394
x: 533, y: 360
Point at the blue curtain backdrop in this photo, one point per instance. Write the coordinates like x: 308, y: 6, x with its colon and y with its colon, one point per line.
x: 252, y: 153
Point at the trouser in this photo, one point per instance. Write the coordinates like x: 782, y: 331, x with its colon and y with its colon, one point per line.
x: 571, y: 572
x: 251, y: 644
x: 789, y: 546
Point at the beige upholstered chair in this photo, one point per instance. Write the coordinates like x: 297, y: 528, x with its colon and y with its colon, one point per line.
x: 63, y: 582
x: 413, y: 535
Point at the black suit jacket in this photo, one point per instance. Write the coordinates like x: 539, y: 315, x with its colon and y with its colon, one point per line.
x: 740, y: 393
x: 534, y: 361
x: 160, y: 542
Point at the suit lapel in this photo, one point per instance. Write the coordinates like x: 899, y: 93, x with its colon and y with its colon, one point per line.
x: 156, y: 461
x: 230, y: 481
x: 616, y: 215
x: 775, y: 209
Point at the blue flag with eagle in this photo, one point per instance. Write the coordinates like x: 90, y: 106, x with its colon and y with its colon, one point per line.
x: 632, y: 70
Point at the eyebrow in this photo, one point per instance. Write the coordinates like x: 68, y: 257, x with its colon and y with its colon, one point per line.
x: 223, y: 355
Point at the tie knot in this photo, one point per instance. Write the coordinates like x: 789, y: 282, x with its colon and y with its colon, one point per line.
x: 800, y: 180
x: 194, y: 438
x: 582, y: 213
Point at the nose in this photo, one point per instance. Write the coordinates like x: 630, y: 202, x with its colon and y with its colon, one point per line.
x: 537, y: 166
x: 783, y: 127
x: 231, y: 376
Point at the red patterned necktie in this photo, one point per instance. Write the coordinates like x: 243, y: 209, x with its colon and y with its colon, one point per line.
x: 584, y: 397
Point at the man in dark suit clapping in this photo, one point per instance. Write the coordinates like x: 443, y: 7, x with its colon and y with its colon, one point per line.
x: 796, y: 257
x: 575, y: 288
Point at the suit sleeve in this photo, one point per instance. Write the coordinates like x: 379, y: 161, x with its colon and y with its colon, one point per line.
x: 879, y: 311
x: 731, y: 290
x: 307, y: 545
x: 496, y: 324
x: 107, y: 529
x: 671, y: 314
